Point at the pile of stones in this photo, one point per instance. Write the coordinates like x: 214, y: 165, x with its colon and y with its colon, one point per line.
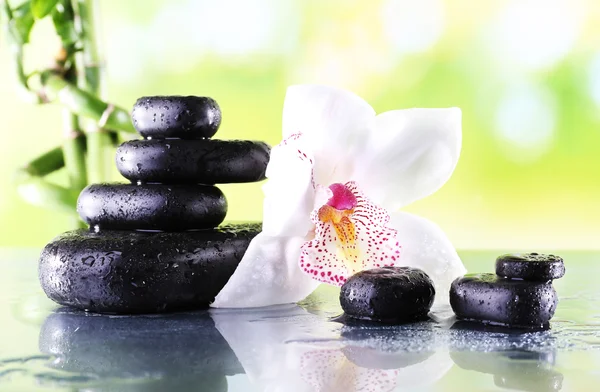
x: 154, y: 245
x: 519, y: 295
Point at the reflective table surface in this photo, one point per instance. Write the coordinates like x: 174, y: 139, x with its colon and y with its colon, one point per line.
x: 294, y: 347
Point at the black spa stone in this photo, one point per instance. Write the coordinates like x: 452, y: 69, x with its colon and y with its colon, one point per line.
x: 193, y: 161
x: 388, y: 294
x: 491, y: 299
x: 176, y: 116
x: 530, y: 266
x: 140, y: 272
x: 152, y: 206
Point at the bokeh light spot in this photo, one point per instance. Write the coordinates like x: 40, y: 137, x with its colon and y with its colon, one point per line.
x: 526, y: 120
x: 537, y: 33
x: 412, y: 26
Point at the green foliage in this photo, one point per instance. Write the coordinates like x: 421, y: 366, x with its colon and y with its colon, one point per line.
x: 19, y: 22
x: 63, y: 18
x: 41, y: 8
x: 73, y: 81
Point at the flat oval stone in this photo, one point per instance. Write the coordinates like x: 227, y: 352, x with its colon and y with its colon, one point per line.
x: 141, y: 272
x: 152, y: 206
x: 491, y: 299
x: 176, y: 116
x: 388, y: 294
x: 530, y: 266
x: 193, y: 161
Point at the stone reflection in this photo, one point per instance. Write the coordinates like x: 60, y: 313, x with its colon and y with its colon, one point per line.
x: 138, y: 353
x: 292, y: 350
x: 517, y: 368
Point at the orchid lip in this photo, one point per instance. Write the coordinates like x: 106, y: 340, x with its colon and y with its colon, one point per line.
x: 342, y: 198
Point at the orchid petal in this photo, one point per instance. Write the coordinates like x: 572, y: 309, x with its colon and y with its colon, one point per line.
x: 359, y: 241
x: 290, y: 191
x: 336, y: 123
x: 268, y: 274
x: 425, y: 246
x: 411, y: 154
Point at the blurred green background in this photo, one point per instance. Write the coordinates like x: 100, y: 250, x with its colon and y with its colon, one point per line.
x: 526, y: 74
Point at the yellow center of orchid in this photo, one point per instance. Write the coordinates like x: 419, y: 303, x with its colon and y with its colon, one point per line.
x: 351, y: 235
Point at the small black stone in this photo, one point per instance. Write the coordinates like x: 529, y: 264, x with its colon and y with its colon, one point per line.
x: 193, y: 161
x: 152, y: 206
x: 176, y: 116
x: 388, y: 294
x: 489, y: 298
x: 530, y: 266
x: 141, y: 272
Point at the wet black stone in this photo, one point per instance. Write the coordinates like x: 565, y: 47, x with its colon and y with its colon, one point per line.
x: 388, y: 294
x: 176, y: 116
x: 193, y: 161
x: 489, y: 298
x: 530, y: 266
x: 139, y: 272
x: 152, y: 206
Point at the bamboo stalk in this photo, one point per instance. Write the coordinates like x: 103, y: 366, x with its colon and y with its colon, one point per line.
x: 90, y: 80
x: 41, y: 193
x: 74, y: 151
x: 45, y: 164
x: 74, y: 156
x: 37, y: 191
x: 86, y: 105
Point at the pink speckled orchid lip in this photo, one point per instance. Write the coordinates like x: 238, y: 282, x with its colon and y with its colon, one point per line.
x: 335, y: 184
x: 351, y: 235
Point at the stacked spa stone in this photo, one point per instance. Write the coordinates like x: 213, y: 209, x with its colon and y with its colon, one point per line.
x: 154, y: 244
x: 520, y: 294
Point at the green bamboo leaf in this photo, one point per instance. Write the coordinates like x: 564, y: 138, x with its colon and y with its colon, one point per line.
x: 41, y: 193
x: 46, y: 163
x: 20, y: 22
x: 63, y: 18
x: 41, y: 8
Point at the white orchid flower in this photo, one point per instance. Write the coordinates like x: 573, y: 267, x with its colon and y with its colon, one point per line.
x: 334, y: 186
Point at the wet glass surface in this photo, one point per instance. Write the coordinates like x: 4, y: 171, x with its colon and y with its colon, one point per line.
x: 292, y: 348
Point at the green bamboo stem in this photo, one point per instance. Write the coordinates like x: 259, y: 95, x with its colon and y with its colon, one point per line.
x: 90, y: 80
x: 74, y: 155
x: 41, y: 193
x: 45, y: 164
x: 74, y: 151
x: 90, y: 55
x: 34, y: 189
x: 85, y: 104
x: 18, y: 24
